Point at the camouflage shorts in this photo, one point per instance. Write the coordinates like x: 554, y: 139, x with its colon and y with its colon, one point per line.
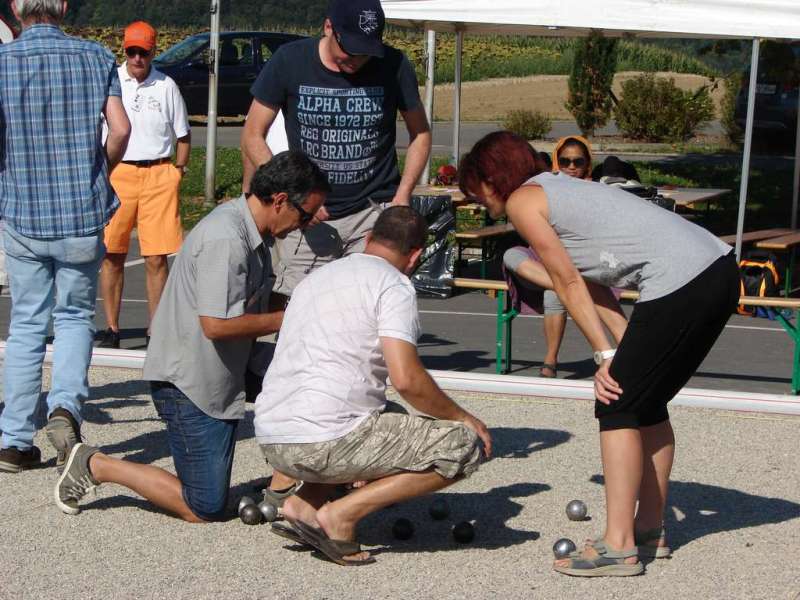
x: 383, y: 444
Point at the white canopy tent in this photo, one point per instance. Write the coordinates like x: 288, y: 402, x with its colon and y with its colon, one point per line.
x: 737, y: 19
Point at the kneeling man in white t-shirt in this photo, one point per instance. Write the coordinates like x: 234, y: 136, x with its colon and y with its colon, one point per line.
x: 321, y: 416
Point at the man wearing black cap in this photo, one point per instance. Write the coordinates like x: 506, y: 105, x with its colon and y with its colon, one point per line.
x: 340, y: 95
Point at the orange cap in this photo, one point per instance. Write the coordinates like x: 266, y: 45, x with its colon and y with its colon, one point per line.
x: 140, y: 34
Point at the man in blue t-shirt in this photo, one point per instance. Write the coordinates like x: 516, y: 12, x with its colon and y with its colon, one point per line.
x: 340, y: 96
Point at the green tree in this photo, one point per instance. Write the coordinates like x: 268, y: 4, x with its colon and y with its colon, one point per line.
x: 593, y: 67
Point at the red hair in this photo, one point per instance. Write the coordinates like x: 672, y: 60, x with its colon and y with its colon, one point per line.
x: 502, y: 159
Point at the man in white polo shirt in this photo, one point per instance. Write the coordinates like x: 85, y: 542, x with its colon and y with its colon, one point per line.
x: 146, y: 180
x: 322, y: 414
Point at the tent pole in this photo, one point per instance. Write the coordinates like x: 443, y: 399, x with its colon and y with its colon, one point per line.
x: 430, y: 49
x: 748, y: 143
x: 457, y: 98
x: 211, y: 124
x: 796, y: 181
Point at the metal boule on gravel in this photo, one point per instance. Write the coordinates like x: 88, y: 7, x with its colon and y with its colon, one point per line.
x: 577, y: 510
x: 464, y: 532
x: 250, y: 515
x: 244, y: 502
x: 563, y: 547
x: 268, y: 511
x: 439, y: 509
x: 403, y: 529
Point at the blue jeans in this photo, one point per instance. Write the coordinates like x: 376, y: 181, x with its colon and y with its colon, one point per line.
x: 55, y: 278
x: 202, y: 450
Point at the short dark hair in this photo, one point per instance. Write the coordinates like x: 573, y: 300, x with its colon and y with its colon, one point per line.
x: 401, y: 228
x: 502, y: 159
x: 291, y: 172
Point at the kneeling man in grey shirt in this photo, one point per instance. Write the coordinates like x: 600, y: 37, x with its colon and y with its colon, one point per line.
x: 215, y: 304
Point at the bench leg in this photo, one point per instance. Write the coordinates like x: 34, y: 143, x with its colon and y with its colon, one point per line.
x: 501, y: 308
x: 505, y: 318
x: 794, y: 333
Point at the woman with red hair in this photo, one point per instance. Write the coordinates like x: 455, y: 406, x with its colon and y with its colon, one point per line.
x: 589, y: 237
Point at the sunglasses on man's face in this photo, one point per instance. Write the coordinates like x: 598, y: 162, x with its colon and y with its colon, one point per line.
x: 564, y: 162
x: 305, y: 216
x: 131, y: 52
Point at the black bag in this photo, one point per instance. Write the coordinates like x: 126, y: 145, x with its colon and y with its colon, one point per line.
x: 759, y: 276
x: 434, y: 274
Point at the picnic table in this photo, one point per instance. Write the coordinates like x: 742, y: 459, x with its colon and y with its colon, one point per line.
x: 688, y: 197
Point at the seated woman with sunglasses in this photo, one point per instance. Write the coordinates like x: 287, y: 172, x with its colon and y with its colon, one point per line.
x: 589, y: 237
x: 573, y: 157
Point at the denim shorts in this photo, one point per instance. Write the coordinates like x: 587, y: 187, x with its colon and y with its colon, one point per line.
x: 202, y: 450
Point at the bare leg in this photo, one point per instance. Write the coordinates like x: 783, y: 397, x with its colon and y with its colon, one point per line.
x: 156, y: 485
x: 658, y: 444
x: 622, y: 468
x: 554, y: 326
x: 112, y: 280
x: 156, y: 271
x: 280, y: 481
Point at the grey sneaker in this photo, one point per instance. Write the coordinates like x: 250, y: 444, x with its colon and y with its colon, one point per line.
x: 14, y: 460
x: 76, y: 480
x: 63, y: 432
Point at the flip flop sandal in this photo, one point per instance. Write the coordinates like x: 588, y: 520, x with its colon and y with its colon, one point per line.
x: 550, y: 366
x: 608, y: 563
x: 290, y: 533
x: 335, y: 550
x: 647, y: 550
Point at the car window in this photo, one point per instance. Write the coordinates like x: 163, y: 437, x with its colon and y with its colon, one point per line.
x: 236, y: 52
x: 183, y: 50
x: 266, y: 51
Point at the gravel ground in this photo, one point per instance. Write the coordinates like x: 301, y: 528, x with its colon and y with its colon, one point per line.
x: 734, y: 518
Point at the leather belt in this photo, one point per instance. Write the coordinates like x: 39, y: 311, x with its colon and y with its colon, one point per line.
x: 146, y: 163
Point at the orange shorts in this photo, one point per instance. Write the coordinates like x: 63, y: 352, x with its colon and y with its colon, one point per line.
x: 148, y: 199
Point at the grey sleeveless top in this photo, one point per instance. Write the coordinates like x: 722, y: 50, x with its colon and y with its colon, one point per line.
x: 620, y: 240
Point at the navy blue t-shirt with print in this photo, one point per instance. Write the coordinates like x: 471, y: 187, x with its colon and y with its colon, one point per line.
x: 344, y: 123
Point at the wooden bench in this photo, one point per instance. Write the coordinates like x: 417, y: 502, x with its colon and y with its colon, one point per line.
x: 506, y: 313
x: 482, y: 235
x: 755, y: 236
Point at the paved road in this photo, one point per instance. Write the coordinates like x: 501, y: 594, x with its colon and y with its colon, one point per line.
x: 753, y: 355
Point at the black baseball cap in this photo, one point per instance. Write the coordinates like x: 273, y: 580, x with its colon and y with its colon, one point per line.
x: 359, y: 26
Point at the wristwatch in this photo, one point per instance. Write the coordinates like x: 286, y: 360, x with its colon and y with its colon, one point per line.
x: 181, y: 168
x: 602, y: 355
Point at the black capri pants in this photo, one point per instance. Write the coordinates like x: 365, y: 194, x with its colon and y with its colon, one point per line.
x: 664, y: 344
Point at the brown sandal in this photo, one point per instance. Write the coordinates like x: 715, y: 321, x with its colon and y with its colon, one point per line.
x: 553, y: 367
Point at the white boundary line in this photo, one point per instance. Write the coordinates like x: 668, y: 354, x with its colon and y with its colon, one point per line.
x: 522, y: 386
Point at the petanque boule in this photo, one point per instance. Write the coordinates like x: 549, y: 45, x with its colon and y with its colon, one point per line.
x: 464, y: 532
x: 439, y: 509
x: 246, y: 500
x: 269, y: 511
x: 250, y: 515
x: 563, y: 547
x: 577, y: 510
x: 403, y: 529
